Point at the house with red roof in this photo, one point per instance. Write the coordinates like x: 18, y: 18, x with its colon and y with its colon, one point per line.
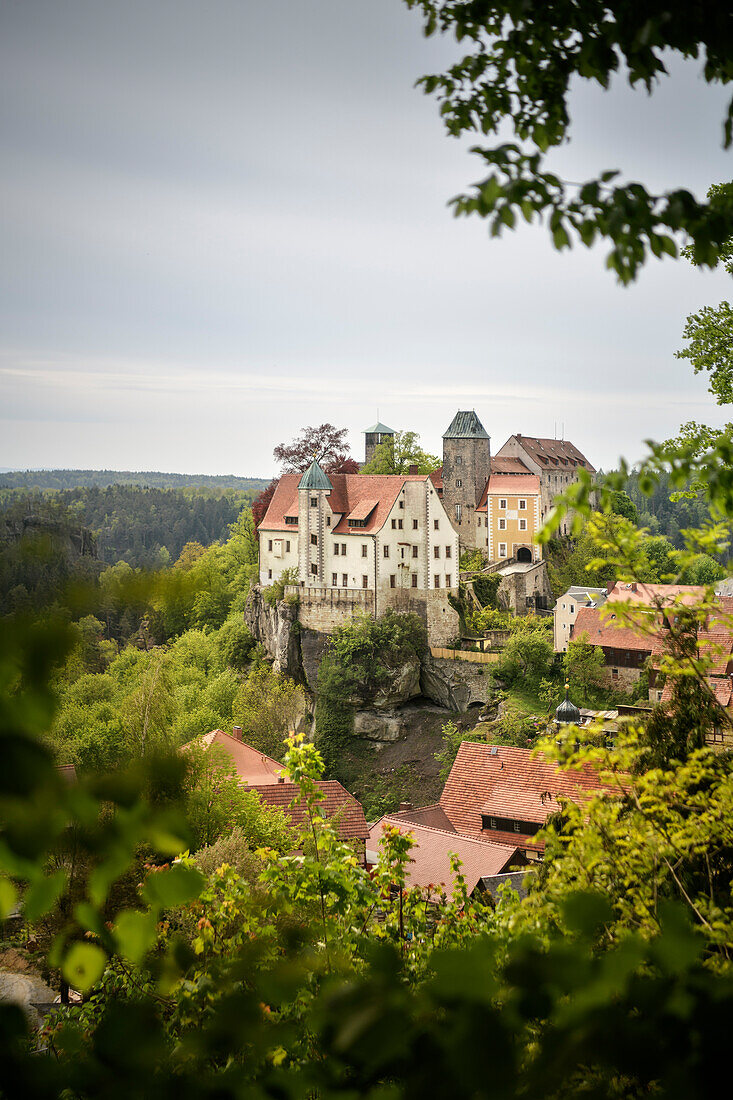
x: 367, y: 542
x: 629, y: 649
x: 429, y: 864
x: 262, y: 774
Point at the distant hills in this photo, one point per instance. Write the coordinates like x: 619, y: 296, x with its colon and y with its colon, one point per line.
x: 101, y: 479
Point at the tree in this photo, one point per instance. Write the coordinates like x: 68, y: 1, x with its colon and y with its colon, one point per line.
x: 623, y: 505
x: 584, y: 668
x: 517, y: 74
x: 397, y: 455
x: 528, y: 653
x: 326, y: 443
x: 268, y: 707
x: 702, y: 569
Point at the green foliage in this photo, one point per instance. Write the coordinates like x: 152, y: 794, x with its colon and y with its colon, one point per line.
x: 268, y: 706
x: 584, y: 666
x: 527, y: 654
x: 364, y: 654
x: 334, y: 729
x: 622, y: 505
x: 513, y: 80
x: 397, y: 455
x: 275, y: 591
x: 472, y: 561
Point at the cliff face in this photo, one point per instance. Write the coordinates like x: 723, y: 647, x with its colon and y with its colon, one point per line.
x: 297, y: 652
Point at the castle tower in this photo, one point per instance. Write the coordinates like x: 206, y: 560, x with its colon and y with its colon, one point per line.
x: 313, y: 488
x: 466, y: 469
x: 373, y: 437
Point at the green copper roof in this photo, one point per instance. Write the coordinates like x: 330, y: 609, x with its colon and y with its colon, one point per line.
x: 314, y: 478
x: 466, y: 425
x: 567, y: 712
x: 380, y: 429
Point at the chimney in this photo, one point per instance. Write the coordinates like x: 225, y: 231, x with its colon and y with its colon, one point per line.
x: 413, y: 469
x: 237, y: 733
x: 404, y: 806
x: 281, y: 778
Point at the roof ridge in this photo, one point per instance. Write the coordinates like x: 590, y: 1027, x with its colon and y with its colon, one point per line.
x: 435, y: 829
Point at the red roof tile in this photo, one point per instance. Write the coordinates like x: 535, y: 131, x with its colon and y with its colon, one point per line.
x: 513, y: 782
x: 508, y: 465
x: 511, y: 484
x: 605, y: 631
x: 338, y: 804
x: 552, y: 453
x: 655, y: 595
x: 251, y: 764
x: 434, y: 816
x: 720, y: 686
x: 429, y: 862
x: 350, y: 495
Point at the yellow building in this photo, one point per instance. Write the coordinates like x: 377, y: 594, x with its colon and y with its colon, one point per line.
x: 508, y: 518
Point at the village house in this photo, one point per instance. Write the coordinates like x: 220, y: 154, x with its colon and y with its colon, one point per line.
x: 566, y: 611
x: 628, y: 651
x: 362, y: 542
x: 497, y: 795
x: 260, y: 773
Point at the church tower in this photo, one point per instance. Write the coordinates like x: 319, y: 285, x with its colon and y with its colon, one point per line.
x: 313, y: 488
x: 466, y: 469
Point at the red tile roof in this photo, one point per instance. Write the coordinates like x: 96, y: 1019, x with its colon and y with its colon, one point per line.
x: 655, y: 595
x: 552, y: 453
x: 251, y: 764
x: 429, y: 863
x: 511, y: 484
x: 434, y: 816
x: 605, y: 631
x: 513, y: 783
x: 508, y: 465
x: 721, y: 687
x: 338, y: 804
x: 350, y: 495
x: 437, y: 478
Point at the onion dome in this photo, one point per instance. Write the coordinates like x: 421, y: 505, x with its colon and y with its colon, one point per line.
x: 567, y: 713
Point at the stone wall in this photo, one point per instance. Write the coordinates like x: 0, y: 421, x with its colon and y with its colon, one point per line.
x: 519, y: 583
x: 325, y: 609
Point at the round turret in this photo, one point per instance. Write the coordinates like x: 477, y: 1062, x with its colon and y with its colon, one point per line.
x: 567, y: 713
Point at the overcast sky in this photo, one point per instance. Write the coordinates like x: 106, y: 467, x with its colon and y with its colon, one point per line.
x: 223, y: 220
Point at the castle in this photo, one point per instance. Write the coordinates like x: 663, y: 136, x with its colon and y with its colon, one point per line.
x: 378, y: 541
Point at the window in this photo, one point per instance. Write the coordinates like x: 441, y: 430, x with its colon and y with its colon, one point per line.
x: 394, y: 524
x: 458, y: 514
x: 399, y: 524
x: 343, y: 549
x: 459, y: 483
x: 522, y: 525
x: 415, y: 551
x: 502, y: 524
x: 435, y: 524
x: 502, y: 549
x: 269, y: 544
x: 402, y: 504
x: 364, y: 580
x: 414, y: 525
x: 393, y: 581
x: 269, y: 574
x: 385, y: 551
x: 492, y: 822
x: 572, y: 608
x: 516, y: 827
x: 287, y: 546
x: 292, y: 520
x: 364, y: 549
x: 314, y: 540
x: 502, y: 503
x: 614, y: 674
x: 314, y: 570
x: 328, y: 521
x: 334, y: 579
x: 436, y: 551
x: 459, y: 460
x: 414, y: 580
x: 345, y: 580
x: 336, y: 549
x: 447, y: 580
x: 436, y: 580
x: 522, y: 505
x: 314, y: 502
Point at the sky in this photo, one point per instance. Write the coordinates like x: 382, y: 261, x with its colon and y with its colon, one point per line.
x: 222, y: 221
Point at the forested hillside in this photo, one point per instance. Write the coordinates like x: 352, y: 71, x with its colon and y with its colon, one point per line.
x: 147, y: 528
x: 154, y: 479
x: 662, y: 515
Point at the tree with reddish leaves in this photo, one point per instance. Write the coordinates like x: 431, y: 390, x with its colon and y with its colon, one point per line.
x: 262, y: 502
x: 342, y: 464
x: 326, y: 443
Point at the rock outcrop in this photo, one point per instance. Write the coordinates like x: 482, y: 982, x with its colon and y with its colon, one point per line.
x: 273, y: 625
